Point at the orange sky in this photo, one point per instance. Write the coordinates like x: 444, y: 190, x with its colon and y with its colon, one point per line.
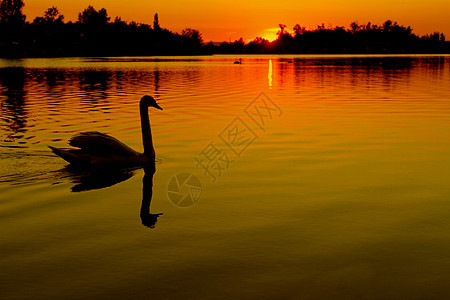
x: 230, y: 19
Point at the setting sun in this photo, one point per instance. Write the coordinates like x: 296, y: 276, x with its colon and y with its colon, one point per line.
x: 270, y: 34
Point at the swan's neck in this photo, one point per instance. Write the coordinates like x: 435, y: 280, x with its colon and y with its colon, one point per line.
x: 147, y: 140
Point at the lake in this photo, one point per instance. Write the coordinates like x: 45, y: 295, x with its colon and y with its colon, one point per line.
x: 302, y: 177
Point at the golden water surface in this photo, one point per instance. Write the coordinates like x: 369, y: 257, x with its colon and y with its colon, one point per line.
x: 316, y: 177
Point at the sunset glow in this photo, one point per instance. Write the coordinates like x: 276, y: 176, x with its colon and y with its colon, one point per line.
x: 222, y: 21
x: 194, y: 149
x: 270, y: 34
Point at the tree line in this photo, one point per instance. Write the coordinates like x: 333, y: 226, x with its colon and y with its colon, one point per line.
x: 93, y: 34
x: 390, y: 37
x: 96, y: 34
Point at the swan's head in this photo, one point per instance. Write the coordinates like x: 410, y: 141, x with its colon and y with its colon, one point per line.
x: 150, y: 101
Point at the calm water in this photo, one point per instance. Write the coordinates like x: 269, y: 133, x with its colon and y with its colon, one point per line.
x: 323, y: 177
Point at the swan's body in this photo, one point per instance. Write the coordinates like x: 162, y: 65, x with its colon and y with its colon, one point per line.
x: 99, y: 149
x: 95, y: 148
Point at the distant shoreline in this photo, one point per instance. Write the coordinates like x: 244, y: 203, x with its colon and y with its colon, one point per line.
x: 94, y: 35
x: 237, y: 55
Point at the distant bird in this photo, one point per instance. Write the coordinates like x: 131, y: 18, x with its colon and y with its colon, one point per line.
x: 238, y: 62
x: 98, y: 149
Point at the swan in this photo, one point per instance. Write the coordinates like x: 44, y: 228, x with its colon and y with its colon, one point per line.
x: 98, y: 149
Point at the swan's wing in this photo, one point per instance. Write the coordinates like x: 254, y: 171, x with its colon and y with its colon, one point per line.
x: 73, y: 156
x: 100, y: 144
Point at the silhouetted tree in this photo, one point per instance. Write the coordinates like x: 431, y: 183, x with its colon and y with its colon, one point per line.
x: 156, y: 22
x: 285, y: 42
x: 118, y: 20
x: 387, y: 26
x: 192, y: 39
x: 51, y: 16
x: 239, y: 44
x: 282, y: 28
x: 321, y: 27
x: 298, y: 30
x: 259, y: 45
x: 11, y: 12
x: 119, y: 23
x: 354, y: 27
x: 90, y: 16
x: 259, y: 41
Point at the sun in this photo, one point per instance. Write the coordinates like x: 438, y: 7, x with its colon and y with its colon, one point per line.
x: 270, y: 34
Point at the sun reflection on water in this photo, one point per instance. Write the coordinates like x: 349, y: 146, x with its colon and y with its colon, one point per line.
x: 270, y: 75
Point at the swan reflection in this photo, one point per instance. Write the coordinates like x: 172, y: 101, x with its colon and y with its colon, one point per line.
x: 92, y: 179
x: 86, y: 180
x: 148, y: 219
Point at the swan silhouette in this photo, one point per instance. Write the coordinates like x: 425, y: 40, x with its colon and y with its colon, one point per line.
x: 98, y: 149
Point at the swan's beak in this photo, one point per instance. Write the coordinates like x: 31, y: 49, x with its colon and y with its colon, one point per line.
x: 157, y: 106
